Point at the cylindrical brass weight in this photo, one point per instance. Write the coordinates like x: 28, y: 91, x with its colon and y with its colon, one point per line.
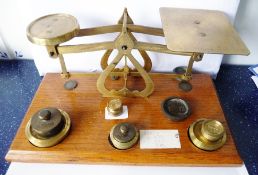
x: 212, y: 130
x: 207, y: 134
x: 47, y: 127
x: 124, y: 136
x: 115, y: 107
x: 175, y: 108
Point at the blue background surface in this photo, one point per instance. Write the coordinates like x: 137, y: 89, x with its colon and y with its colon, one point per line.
x: 238, y: 94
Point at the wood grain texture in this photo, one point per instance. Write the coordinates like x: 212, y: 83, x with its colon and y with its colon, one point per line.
x: 88, y: 143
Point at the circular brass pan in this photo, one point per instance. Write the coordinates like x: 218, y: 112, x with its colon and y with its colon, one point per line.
x: 123, y: 136
x: 51, y: 141
x: 175, y: 108
x: 202, y: 141
x: 53, y: 29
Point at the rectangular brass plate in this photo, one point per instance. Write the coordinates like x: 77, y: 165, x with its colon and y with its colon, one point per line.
x: 203, y: 31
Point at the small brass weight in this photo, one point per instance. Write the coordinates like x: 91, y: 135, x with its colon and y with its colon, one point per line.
x: 124, y: 136
x: 115, y: 107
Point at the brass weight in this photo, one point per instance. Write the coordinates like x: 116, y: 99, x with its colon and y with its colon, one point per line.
x: 124, y: 136
x: 115, y: 107
x: 175, y: 108
x: 47, y: 127
x: 70, y: 84
x: 207, y: 134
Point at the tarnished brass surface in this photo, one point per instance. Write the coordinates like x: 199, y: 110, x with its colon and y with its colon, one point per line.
x: 48, y: 127
x: 124, y: 136
x: 47, y: 122
x: 115, y: 107
x: 207, y: 134
x: 175, y: 108
x: 201, y: 31
x: 53, y: 29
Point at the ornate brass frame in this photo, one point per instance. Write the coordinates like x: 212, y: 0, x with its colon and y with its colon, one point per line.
x: 124, y: 43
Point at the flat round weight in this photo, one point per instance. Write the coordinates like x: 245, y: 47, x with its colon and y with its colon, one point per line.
x: 180, y: 70
x: 175, y: 108
x: 70, y: 85
x: 185, y: 86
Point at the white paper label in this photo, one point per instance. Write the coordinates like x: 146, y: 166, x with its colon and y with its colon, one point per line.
x: 124, y: 114
x: 159, y: 139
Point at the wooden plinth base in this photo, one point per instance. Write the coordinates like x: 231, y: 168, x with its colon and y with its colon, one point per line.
x: 88, y: 140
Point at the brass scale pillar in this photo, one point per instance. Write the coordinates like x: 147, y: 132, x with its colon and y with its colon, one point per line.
x: 124, y: 43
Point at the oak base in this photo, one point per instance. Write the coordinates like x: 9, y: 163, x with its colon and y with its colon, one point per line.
x: 88, y: 142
